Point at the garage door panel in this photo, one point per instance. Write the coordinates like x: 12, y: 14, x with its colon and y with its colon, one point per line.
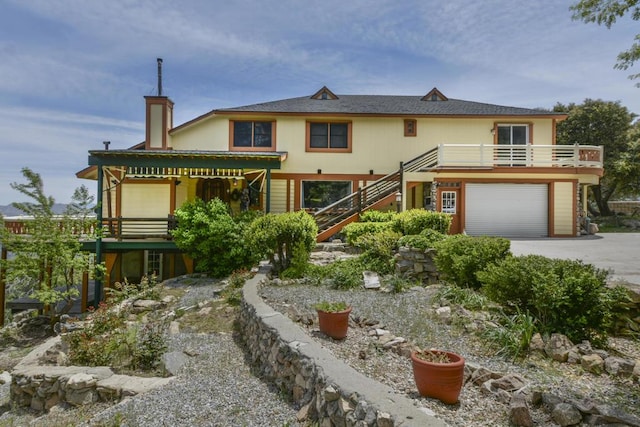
x: 508, y: 210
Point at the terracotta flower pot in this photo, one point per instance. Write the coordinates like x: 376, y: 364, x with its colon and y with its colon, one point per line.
x: 334, y: 324
x: 442, y: 381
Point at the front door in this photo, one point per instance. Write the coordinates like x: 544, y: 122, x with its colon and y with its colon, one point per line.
x: 449, y: 198
x: 209, y: 189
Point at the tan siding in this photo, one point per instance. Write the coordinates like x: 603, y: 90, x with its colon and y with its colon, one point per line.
x: 564, y: 208
x: 156, y: 129
x: 145, y: 200
x: 278, y: 196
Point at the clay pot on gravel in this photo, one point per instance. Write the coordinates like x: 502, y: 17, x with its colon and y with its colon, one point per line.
x: 438, y: 374
x: 333, y: 318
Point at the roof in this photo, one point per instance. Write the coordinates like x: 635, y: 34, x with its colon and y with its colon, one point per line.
x: 422, y: 105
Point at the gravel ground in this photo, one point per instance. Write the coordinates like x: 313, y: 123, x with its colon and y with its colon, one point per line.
x: 406, y: 315
x: 215, y: 387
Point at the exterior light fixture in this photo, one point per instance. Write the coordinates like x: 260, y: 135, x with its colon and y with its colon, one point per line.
x: 398, y: 201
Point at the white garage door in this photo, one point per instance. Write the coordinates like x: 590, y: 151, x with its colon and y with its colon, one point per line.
x: 508, y: 210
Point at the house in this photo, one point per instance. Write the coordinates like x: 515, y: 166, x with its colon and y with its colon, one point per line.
x: 497, y: 170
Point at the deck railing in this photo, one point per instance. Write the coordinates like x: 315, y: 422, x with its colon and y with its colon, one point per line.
x: 492, y: 155
x: 138, y: 228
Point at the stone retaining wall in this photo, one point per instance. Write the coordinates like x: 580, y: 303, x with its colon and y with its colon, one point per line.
x: 325, y: 388
x: 41, y: 387
x: 416, y: 264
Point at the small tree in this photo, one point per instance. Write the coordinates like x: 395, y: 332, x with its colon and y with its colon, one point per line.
x: 48, y: 259
x: 281, y: 237
x: 212, y: 237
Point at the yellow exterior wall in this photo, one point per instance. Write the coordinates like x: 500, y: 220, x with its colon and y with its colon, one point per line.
x: 212, y: 134
x: 145, y: 200
x: 564, y: 209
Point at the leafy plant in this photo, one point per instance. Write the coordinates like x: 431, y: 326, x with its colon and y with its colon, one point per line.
x: 213, y: 238
x: 48, y: 261
x: 398, y: 284
x: 512, y: 334
x: 466, y: 297
x: 373, y: 215
x: 281, y: 237
x: 233, y: 292
x: 331, y: 306
x: 564, y: 296
x: 460, y: 257
x: 378, y: 250
x: 342, y: 274
x: 414, y: 221
x: 427, y: 239
x: 356, y: 230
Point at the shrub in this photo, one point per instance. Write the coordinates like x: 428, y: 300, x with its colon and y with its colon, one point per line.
x: 565, y: 296
x: 512, y: 334
x: 343, y: 274
x: 283, y: 237
x: 209, y: 235
x: 460, y: 257
x: 376, y: 216
x: 414, y: 221
x: 466, y: 297
x: 378, y: 250
x: 355, y: 230
x: 425, y: 240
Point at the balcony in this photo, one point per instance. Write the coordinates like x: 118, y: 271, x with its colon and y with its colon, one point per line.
x: 492, y: 156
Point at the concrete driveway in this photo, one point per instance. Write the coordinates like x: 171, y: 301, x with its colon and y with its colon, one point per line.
x: 618, y: 252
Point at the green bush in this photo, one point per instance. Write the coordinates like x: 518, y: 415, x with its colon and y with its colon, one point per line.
x: 376, y: 216
x: 565, y: 296
x: 425, y: 240
x: 460, y: 257
x: 343, y: 274
x: 378, y: 250
x: 355, y: 230
x: 215, y: 241
x: 284, y: 237
x: 414, y: 221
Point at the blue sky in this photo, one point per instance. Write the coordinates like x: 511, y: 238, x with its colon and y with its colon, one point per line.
x: 73, y: 73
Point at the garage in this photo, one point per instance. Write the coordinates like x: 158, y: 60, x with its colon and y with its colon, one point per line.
x: 507, y: 210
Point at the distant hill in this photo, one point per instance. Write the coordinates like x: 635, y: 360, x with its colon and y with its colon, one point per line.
x: 8, y: 210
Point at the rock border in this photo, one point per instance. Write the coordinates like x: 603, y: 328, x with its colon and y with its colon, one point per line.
x: 327, y: 390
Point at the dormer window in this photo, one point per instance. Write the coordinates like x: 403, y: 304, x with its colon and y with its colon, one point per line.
x: 434, y: 95
x: 324, y: 94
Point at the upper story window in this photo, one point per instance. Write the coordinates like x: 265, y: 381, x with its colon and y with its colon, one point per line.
x: 329, y: 136
x: 410, y: 127
x: 252, y: 135
x: 513, y: 134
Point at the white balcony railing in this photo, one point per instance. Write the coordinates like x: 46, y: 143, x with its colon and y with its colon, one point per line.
x: 491, y: 155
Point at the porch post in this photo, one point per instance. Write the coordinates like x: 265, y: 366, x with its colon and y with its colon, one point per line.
x: 268, y: 202
x: 3, y: 276
x: 97, y: 297
x: 401, y: 190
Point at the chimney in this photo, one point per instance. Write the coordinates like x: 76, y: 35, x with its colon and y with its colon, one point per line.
x: 159, y: 118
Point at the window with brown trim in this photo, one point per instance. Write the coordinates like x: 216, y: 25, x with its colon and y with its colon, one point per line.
x: 410, y: 127
x: 328, y: 136
x: 252, y: 135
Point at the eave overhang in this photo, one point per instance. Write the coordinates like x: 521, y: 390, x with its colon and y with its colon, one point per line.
x: 188, y: 159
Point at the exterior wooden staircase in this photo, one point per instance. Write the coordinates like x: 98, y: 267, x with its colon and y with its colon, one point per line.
x: 331, y: 219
